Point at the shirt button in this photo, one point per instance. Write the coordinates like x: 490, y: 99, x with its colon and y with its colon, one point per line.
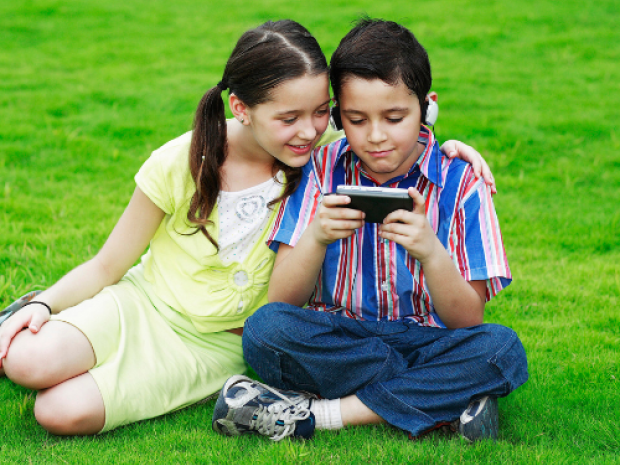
x: 240, y: 278
x: 384, y: 286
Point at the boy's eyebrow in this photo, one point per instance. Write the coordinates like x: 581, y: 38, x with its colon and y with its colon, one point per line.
x: 389, y: 110
x: 403, y: 109
x: 287, y: 112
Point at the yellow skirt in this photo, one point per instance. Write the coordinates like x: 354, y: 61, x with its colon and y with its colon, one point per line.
x: 150, y: 359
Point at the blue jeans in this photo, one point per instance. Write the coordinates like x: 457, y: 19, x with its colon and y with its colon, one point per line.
x: 413, y: 377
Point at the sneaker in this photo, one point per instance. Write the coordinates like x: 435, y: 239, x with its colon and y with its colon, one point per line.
x: 17, y: 305
x: 246, y: 406
x: 480, y: 420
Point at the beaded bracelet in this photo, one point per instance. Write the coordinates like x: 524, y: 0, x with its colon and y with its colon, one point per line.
x: 37, y: 302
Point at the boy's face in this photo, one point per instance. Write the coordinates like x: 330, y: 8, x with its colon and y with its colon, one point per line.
x: 382, y: 123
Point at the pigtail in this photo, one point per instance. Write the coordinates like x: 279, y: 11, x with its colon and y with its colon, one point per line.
x: 206, y: 156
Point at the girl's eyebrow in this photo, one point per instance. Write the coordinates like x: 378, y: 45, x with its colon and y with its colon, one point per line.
x: 288, y: 112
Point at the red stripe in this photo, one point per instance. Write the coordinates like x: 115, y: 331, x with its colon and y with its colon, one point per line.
x: 277, y: 221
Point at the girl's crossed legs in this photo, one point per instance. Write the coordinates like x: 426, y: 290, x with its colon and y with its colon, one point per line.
x: 56, y: 361
x: 132, y: 358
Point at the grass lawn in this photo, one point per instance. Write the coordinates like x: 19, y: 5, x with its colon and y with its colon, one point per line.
x: 89, y: 88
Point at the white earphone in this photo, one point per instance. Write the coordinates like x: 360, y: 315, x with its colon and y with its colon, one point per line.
x: 432, y: 111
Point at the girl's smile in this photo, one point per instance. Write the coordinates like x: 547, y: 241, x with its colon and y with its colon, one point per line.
x: 300, y: 149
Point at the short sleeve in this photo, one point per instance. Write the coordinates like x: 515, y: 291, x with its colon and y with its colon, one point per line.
x: 479, y: 251
x: 296, y: 211
x: 152, y: 181
x: 164, y: 177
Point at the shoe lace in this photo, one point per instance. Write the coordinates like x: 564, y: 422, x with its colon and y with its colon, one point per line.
x: 279, y: 419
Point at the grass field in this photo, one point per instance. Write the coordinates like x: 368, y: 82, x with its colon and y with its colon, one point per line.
x: 88, y: 89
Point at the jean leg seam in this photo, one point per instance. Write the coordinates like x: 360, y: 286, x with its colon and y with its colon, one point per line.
x: 259, y: 341
x: 510, y: 341
x: 493, y: 361
x: 374, y: 379
x: 388, y: 394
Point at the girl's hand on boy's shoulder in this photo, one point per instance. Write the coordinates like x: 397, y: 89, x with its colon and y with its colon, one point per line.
x: 333, y: 221
x: 455, y: 148
x: 32, y: 317
x: 411, y: 229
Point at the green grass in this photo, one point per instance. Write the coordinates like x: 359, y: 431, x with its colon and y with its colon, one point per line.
x: 88, y: 89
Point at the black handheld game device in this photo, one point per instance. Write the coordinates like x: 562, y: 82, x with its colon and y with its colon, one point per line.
x: 376, y: 202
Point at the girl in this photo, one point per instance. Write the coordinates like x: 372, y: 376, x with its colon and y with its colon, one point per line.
x: 110, y: 344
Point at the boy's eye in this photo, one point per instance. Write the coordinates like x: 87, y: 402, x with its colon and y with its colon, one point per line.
x: 322, y: 112
x: 289, y: 121
x: 395, y: 120
x: 356, y: 122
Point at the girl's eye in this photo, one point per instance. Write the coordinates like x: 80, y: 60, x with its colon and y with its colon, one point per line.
x: 395, y: 120
x: 289, y: 121
x: 322, y: 112
x: 356, y: 122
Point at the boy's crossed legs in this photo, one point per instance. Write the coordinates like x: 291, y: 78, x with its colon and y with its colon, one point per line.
x: 412, y: 377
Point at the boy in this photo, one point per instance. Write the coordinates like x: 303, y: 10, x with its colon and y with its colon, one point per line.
x: 393, y: 328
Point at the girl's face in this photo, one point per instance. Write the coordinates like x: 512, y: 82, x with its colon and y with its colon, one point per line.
x: 382, y: 123
x: 290, y: 124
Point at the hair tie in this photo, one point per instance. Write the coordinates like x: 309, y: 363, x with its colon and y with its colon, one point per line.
x: 32, y: 302
x: 222, y: 85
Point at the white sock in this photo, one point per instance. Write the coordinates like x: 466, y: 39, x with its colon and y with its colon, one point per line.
x: 327, y: 413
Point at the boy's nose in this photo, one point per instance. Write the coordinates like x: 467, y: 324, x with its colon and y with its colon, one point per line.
x: 376, y: 134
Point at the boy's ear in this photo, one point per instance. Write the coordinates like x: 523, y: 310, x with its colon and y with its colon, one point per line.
x: 238, y: 108
x: 424, y: 111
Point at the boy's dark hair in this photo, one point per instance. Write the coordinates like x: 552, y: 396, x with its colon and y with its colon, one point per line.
x: 263, y: 58
x: 378, y: 49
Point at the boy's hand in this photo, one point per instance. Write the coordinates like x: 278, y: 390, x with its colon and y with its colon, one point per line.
x: 333, y: 221
x: 411, y: 229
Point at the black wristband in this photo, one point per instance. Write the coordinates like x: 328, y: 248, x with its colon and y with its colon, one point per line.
x: 40, y: 303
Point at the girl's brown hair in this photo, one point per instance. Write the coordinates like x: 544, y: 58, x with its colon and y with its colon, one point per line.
x: 263, y: 58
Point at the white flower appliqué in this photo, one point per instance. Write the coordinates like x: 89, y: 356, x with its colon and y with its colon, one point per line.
x: 250, y: 207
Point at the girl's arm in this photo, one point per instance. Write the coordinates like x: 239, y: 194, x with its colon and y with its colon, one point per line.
x: 126, y: 244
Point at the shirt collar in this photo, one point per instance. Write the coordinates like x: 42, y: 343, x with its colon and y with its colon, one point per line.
x: 429, y: 161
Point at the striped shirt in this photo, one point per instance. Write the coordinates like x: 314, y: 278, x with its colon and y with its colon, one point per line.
x: 366, y: 277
